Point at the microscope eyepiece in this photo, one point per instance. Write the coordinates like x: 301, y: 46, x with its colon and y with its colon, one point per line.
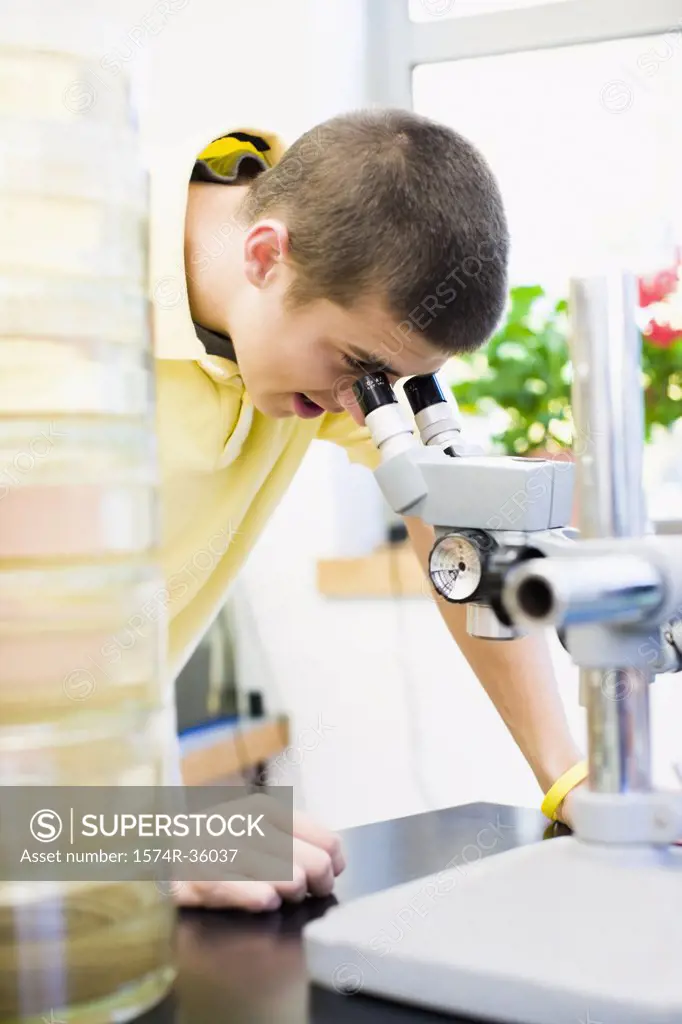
x: 423, y: 391
x: 384, y: 417
x: 373, y: 391
x: 435, y: 417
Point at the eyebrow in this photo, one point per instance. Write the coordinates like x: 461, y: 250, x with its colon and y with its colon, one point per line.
x: 373, y: 365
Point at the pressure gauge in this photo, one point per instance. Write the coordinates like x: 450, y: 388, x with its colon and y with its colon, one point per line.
x: 456, y: 564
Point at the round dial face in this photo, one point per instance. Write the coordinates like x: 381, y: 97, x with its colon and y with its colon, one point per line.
x: 455, y: 567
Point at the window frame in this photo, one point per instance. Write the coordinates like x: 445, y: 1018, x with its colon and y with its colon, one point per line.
x: 396, y: 45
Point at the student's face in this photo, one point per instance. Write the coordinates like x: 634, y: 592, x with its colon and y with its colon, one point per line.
x: 317, y: 351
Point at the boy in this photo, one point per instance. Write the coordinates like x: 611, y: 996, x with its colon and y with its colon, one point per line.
x: 377, y: 241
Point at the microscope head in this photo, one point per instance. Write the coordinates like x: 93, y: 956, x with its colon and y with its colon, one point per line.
x: 502, y: 544
x: 488, y: 512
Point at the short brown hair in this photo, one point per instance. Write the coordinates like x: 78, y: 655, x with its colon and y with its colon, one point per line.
x: 387, y: 202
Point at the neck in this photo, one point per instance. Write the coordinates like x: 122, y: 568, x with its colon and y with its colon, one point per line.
x: 213, y: 252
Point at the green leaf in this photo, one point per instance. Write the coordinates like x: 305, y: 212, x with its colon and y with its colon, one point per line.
x: 523, y: 299
x: 532, y: 346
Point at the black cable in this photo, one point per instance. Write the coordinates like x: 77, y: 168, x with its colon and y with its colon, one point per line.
x: 228, y: 636
x: 240, y: 741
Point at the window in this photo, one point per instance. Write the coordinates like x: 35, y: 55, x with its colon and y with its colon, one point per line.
x: 425, y: 10
x: 585, y: 143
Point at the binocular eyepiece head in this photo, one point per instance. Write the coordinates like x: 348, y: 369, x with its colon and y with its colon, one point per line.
x: 374, y: 391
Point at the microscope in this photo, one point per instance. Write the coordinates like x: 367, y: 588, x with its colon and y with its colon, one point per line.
x: 584, y: 927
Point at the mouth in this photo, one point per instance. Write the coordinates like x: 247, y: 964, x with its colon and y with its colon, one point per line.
x: 305, y: 407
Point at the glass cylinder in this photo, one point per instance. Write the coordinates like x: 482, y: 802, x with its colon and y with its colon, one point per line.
x: 85, y: 698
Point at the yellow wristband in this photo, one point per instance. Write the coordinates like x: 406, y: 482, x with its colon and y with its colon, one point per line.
x: 557, y: 793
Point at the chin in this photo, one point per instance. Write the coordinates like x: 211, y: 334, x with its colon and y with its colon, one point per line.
x: 277, y: 407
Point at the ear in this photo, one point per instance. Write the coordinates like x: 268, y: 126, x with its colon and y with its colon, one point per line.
x: 265, y: 246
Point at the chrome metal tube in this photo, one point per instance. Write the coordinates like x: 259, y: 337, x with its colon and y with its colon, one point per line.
x: 482, y: 622
x: 577, y: 591
x: 608, y: 413
x: 618, y: 730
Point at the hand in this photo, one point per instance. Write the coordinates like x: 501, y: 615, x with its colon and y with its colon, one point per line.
x: 318, y: 860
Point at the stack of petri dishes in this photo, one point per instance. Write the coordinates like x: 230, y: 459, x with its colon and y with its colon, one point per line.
x: 83, y: 694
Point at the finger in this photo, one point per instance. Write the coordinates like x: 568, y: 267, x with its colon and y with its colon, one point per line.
x: 308, y: 830
x: 282, y: 874
x: 252, y: 896
x: 296, y: 890
x: 273, y: 863
x: 317, y: 865
x: 284, y: 877
x: 276, y: 812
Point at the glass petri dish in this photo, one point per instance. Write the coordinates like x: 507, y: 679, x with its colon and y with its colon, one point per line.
x: 105, y: 749
x: 48, y: 376
x: 36, y: 25
x: 76, y: 642
x: 71, y: 488
x: 43, y: 234
x: 94, y: 161
x: 64, y: 87
x: 89, y: 953
x: 50, y: 306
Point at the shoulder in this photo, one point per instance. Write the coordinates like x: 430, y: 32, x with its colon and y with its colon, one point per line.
x: 195, y: 415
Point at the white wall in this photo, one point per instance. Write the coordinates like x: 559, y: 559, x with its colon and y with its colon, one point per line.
x: 278, y: 64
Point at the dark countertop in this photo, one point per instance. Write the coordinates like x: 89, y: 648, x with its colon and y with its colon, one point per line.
x: 236, y: 968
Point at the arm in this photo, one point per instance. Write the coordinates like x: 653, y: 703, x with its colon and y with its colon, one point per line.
x: 518, y: 677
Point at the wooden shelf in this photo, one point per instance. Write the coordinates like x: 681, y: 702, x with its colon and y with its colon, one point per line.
x: 218, y: 752
x: 388, y: 572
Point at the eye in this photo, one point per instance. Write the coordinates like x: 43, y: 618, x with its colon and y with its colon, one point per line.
x: 353, y: 364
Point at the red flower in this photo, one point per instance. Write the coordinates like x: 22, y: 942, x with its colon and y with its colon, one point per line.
x: 661, y: 335
x: 657, y: 288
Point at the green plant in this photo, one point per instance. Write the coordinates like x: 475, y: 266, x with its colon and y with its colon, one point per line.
x: 525, y: 372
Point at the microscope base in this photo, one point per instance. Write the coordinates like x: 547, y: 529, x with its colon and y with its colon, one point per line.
x: 560, y: 932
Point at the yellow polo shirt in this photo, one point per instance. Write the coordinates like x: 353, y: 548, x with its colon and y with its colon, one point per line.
x: 224, y: 465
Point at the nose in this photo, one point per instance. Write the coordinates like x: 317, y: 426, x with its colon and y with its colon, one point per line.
x: 341, y: 395
x: 352, y: 408
x: 357, y: 414
x: 343, y: 401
